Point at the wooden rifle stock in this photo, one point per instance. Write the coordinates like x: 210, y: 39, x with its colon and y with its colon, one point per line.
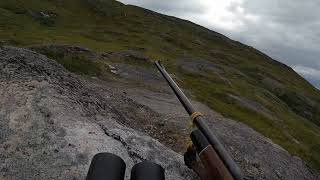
x: 213, y: 165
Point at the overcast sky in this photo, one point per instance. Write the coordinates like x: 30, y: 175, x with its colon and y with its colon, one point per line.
x: 287, y: 30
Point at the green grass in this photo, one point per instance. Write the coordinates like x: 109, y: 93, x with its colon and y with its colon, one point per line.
x: 77, y: 64
x: 81, y: 66
x: 214, y: 94
x: 106, y: 25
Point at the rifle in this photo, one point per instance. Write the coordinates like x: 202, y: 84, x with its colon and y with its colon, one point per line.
x: 215, y: 161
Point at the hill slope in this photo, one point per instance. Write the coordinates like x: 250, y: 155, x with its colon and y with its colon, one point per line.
x: 231, y: 78
x: 53, y: 122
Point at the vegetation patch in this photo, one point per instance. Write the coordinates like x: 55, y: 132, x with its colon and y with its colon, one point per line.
x: 81, y: 66
x: 76, y: 64
x: 45, y: 18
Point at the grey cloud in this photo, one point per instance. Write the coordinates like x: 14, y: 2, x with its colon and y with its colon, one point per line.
x: 285, y: 11
x: 294, y: 23
x: 293, y: 37
x: 288, y: 31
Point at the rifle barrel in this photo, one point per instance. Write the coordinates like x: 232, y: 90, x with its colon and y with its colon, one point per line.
x: 202, y: 125
x: 181, y: 96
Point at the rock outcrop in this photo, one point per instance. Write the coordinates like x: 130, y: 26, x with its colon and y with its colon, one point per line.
x: 52, y: 122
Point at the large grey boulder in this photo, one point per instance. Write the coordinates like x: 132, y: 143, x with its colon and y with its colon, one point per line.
x: 52, y: 124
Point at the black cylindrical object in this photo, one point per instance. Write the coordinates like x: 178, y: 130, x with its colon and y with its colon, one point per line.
x: 147, y: 171
x: 202, y: 125
x: 106, y: 166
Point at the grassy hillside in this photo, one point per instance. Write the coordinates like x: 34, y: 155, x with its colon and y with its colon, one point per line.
x: 233, y: 79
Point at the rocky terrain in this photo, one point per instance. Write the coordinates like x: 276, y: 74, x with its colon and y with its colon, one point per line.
x: 53, y: 121
x: 115, y: 42
x: 96, y: 76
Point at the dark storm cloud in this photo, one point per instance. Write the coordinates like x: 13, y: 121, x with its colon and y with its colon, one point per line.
x: 287, y: 30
